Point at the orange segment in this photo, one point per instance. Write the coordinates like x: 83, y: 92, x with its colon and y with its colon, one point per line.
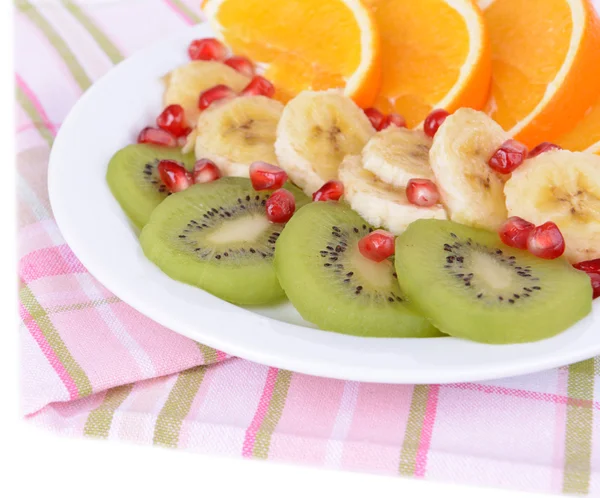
x: 435, y: 53
x: 545, y: 65
x: 586, y: 134
x: 304, y: 44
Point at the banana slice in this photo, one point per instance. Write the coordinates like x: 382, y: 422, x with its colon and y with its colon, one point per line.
x: 316, y: 131
x: 472, y: 192
x: 379, y: 203
x: 563, y: 187
x: 395, y: 155
x: 237, y: 132
x: 185, y: 84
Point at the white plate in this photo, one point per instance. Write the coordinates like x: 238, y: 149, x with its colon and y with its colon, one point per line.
x: 109, y: 117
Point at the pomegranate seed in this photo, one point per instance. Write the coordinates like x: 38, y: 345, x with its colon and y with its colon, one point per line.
x: 156, y: 136
x: 394, y: 119
x: 377, y: 246
x: 172, y: 119
x: 434, y: 121
x: 175, y: 177
x: 259, y: 86
x: 543, y: 147
x: 213, y: 94
x: 595, y: 278
x: 207, y: 49
x: 376, y: 117
x: 422, y: 192
x: 205, y: 171
x: 508, y: 157
x: 546, y: 241
x: 280, y: 206
x: 515, y: 231
x: 265, y: 176
x: 241, y: 65
x: 330, y: 191
x: 592, y: 268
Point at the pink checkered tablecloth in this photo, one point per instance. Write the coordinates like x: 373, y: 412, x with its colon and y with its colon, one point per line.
x: 93, y: 366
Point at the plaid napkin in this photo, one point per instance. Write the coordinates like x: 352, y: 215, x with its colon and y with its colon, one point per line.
x: 93, y: 366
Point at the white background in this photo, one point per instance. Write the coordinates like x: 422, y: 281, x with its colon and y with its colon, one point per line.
x: 35, y: 463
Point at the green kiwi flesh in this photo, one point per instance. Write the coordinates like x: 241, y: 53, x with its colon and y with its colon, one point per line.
x: 134, y: 181
x: 216, y: 236
x: 332, y: 285
x: 472, y: 286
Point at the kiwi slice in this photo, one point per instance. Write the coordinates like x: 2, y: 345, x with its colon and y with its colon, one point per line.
x: 471, y: 285
x: 216, y: 236
x: 332, y: 285
x: 134, y: 181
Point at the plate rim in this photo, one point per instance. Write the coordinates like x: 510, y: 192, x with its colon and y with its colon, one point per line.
x: 64, y: 216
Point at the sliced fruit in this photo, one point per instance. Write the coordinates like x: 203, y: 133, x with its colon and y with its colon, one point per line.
x: 544, y: 62
x: 134, y: 180
x: 185, y: 84
x: 336, y: 44
x: 472, y: 286
x: 216, y: 236
x: 585, y: 135
x: 563, y: 187
x: 332, y: 285
x: 435, y: 53
x: 379, y: 203
x: 396, y: 155
x: 471, y: 191
x: 316, y: 131
x: 235, y: 133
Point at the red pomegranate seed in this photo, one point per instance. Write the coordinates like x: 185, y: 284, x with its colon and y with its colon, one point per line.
x: 546, y: 241
x: 172, y: 119
x: 543, y: 147
x: 422, y: 192
x: 330, y: 191
x: 434, y: 121
x: 394, y: 119
x: 207, y: 49
x: 592, y: 268
x: 376, y: 117
x: 280, y: 206
x: 205, y: 171
x: 377, y: 246
x: 508, y: 157
x: 175, y: 177
x: 259, y: 86
x: 156, y: 136
x: 595, y: 278
x: 515, y: 231
x: 213, y: 94
x: 241, y: 65
x: 265, y: 176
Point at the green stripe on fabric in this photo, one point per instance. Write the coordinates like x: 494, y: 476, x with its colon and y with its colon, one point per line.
x: 39, y: 315
x: 209, y: 354
x: 57, y: 42
x: 101, y: 39
x: 177, y: 406
x: 578, y: 434
x: 186, y: 10
x: 35, y: 116
x: 414, y: 426
x: 83, y: 306
x: 262, y: 441
x: 100, y: 419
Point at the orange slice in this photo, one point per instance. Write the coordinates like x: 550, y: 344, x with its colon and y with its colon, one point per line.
x: 586, y: 134
x: 435, y: 54
x: 545, y: 65
x: 304, y: 44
